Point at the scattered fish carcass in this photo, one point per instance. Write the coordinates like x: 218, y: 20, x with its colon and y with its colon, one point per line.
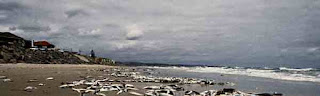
x: 3, y: 77
x: 29, y: 88
x: 7, y: 80
x: 208, y: 93
x: 94, y: 86
x: 230, y: 92
x: 99, y: 86
x: 67, y: 86
x: 135, y: 93
x: 268, y: 94
x: 191, y: 93
x: 162, y: 90
x: 50, y: 78
x: 41, y: 84
x: 83, y: 91
x: 152, y: 87
x: 138, y: 77
x: 159, y: 92
x: 173, y: 87
x: 33, y: 80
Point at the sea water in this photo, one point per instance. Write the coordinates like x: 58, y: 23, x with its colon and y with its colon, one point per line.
x: 289, y: 81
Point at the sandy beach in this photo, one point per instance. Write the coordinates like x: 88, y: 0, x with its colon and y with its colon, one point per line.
x: 21, y: 73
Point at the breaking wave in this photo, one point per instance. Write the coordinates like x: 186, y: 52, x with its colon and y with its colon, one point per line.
x: 282, y: 73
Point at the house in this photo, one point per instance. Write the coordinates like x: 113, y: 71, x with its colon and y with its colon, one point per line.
x: 43, y: 45
x: 11, y: 40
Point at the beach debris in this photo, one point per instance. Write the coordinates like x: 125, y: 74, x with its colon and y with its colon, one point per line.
x: 150, y: 93
x: 160, y: 92
x: 41, y: 84
x: 100, y: 94
x: 83, y: 91
x: 263, y: 94
x: 50, y: 78
x: 122, y: 76
x: 135, y: 93
x: 108, y: 88
x: 277, y: 94
x: 96, y: 86
x: 130, y: 87
x: 3, y: 77
x: 67, y: 86
x: 230, y: 92
x: 6, y: 80
x: 152, y: 87
x: 268, y: 94
x: 33, y: 80
x: 226, y: 91
x: 230, y: 83
x: 192, y: 93
x: 29, y: 88
x: 208, y: 93
x: 173, y: 87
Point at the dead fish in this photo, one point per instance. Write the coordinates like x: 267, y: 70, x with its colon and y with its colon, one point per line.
x: 100, y: 94
x: 7, y: 80
x: 33, y: 80
x: 3, y: 77
x: 41, y: 84
x: 50, y: 78
x: 29, y: 88
x: 135, y: 93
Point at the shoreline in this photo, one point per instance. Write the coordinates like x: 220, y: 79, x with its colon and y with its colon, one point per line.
x: 22, y: 72
x: 32, y: 75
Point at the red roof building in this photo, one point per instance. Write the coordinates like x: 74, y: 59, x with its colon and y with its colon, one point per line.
x: 43, y: 44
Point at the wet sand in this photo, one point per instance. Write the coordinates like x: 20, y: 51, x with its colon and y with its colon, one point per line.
x: 21, y: 73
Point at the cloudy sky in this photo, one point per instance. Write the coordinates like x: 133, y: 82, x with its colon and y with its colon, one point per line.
x: 213, y: 32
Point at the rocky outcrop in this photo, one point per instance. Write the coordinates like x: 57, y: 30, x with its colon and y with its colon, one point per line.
x: 13, y: 50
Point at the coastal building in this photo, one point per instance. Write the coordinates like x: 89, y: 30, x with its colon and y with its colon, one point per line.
x: 42, y: 45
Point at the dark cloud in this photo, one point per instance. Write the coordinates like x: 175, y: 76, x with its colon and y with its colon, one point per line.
x: 220, y: 32
x: 28, y: 28
x: 133, y: 38
x: 73, y: 13
x: 11, y: 6
x: 11, y: 11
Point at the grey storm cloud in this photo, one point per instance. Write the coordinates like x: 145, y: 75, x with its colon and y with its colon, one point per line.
x: 10, y: 10
x: 73, y: 13
x: 269, y: 33
x: 29, y: 28
x: 10, y: 6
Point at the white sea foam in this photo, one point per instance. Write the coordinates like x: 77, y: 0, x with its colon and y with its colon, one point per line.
x: 265, y: 73
x: 292, y: 69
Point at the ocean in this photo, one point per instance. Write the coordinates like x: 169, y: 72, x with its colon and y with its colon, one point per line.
x: 289, y: 81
